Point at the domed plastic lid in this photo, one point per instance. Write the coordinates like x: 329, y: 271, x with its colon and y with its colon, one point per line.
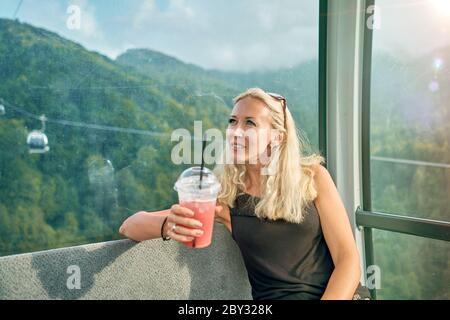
x: 189, y: 182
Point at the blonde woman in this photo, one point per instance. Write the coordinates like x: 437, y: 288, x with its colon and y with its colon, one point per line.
x: 289, y: 222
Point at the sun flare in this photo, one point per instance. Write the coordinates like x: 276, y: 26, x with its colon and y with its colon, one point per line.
x: 443, y: 6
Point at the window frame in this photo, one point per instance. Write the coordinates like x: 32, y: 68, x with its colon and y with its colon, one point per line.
x: 322, y: 99
x: 366, y: 218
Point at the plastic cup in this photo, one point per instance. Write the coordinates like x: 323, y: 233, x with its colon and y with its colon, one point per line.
x: 201, y: 199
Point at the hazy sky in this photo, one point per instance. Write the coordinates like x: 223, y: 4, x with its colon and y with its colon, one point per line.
x: 410, y: 28
x: 223, y: 34
x: 229, y: 34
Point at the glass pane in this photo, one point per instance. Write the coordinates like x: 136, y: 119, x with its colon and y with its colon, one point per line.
x: 114, y: 79
x: 410, y: 103
x: 411, y: 267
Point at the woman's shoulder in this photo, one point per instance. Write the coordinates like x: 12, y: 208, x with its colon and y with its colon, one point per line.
x: 313, y: 173
x: 318, y: 171
x: 322, y: 180
x: 312, y: 165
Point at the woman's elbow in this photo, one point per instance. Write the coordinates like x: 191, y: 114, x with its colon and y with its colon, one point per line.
x: 357, y: 262
x: 351, y: 260
x: 127, y: 233
x: 356, y: 265
x: 123, y: 231
x: 358, y: 269
x: 131, y: 228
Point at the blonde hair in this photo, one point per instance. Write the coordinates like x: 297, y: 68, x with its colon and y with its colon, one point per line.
x: 285, y: 194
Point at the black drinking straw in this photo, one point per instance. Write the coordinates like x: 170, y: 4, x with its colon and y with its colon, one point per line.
x: 203, y: 161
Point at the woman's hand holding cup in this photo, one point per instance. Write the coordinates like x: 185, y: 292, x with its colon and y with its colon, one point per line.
x: 180, y: 226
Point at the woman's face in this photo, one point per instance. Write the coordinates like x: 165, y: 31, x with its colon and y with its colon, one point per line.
x: 249, y: 131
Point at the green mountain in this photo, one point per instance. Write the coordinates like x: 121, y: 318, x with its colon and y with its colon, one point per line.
x: 297, y: 84
x: 172, y: 72
x: 91, y: 179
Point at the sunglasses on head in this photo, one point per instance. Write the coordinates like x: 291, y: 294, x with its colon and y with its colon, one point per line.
x: 283, y: 100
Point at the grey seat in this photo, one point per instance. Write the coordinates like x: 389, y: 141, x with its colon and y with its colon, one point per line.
x: 124, y: 269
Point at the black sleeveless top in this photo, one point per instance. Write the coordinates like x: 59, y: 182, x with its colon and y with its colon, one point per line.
x: 284, y: 260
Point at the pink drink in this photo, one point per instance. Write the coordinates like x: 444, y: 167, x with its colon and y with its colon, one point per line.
x: 203, y: 212
x: 197, y: 190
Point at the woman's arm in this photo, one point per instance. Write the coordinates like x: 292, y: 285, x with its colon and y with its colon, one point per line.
x: 339, y: 238
x: 144, y: 225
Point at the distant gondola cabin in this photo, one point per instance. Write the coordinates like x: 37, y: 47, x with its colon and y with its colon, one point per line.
x: 37, y: 142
